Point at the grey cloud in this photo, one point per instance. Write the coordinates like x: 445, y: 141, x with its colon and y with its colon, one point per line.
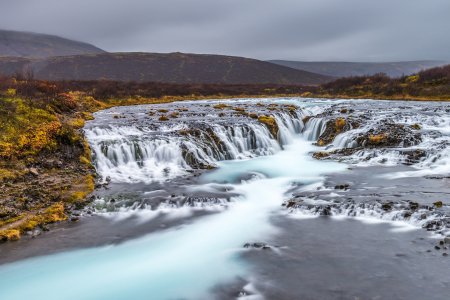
x: 363, y: 30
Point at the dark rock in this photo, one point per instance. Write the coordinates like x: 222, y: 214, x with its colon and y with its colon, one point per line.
x: 413, y: 156
x: 257, y: 245
x: 342, y: 187
x: 326, y: 211
x: 413, y: 205
x: 386, y: 206
x: 407, y: 215
x: 389, y: 135
x: 290, y: 204
x: 333, y: 127
x: 44, y: 228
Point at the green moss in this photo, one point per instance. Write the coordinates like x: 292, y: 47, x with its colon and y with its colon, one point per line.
x: 438, y: 204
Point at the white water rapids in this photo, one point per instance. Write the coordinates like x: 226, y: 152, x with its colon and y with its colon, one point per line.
x: 188, y: 261
x: 177, y: 263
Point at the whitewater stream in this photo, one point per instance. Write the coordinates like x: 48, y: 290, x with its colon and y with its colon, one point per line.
x: 251, y: 199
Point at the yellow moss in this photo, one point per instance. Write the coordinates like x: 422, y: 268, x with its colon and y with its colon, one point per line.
x: 85, y: 161
x: 82, y: 189
x: 10, y: 235
x: 320, y: 154
x: 412, y: 78
x: 163, y: 118
x: 221, y: 106
x: 27, y: 130
x: 377, y: 138
x: 87, y: 116
x: 90, y: 183
x: 163, y: 110
x: 438, y: 204
x: 291, y: 107
x: 340, y: 123
x: 10, y: 92
x: 54, y: 213
x: 76, y: 123
x: 30, y: 224
x: 271, y: 123
x: 6, y: 174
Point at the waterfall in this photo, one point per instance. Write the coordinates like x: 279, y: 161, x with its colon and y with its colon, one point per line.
x: 139, y: 153
x: 314, y: 128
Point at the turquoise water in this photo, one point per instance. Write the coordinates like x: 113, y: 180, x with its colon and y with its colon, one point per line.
x: 182, y: 263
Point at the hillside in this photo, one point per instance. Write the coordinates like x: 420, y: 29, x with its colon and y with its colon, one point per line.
x: 169, y: 68
x: 26, y: 44
x: 431, y: 84
x: 346, y: 69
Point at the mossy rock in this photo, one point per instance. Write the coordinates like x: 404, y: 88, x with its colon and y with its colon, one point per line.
x: 333, y: 127
x: 321, y: 155
x: 221, y: 106
x: 375, y: 139
x: 270, y: 123
x: 438, y: 204
x: 10, y: 235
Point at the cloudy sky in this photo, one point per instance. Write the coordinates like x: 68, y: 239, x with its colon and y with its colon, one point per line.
x: 343, y: 30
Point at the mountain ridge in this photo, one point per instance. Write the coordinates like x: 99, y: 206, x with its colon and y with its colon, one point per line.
x: 161, y: 67
x: 347, y: 69
x: 38, y: 45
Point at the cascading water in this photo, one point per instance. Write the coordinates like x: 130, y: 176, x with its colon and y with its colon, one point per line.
x: 255, y: 169
x: 143, y: 154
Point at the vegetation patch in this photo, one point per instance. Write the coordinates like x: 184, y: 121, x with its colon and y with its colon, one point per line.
x: 375, y: 139
x: 221, y: 106
x: 270, y: 123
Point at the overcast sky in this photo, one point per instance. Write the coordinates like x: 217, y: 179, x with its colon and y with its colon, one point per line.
x: 314, y: 30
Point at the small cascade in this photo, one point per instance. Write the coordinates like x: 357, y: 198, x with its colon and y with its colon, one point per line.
x: 289, y: 125
x: 404, y: 214
x: 147, y: 153
x: 138, y: 159
x: 314, y: 128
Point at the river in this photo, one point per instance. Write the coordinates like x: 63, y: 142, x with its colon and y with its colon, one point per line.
x: 210, y: 204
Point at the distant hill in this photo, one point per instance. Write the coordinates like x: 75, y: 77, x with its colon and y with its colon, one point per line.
x: 26, y: 44
x: 346, y: 69
x: 169, y: 68
x: 432, y: 83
